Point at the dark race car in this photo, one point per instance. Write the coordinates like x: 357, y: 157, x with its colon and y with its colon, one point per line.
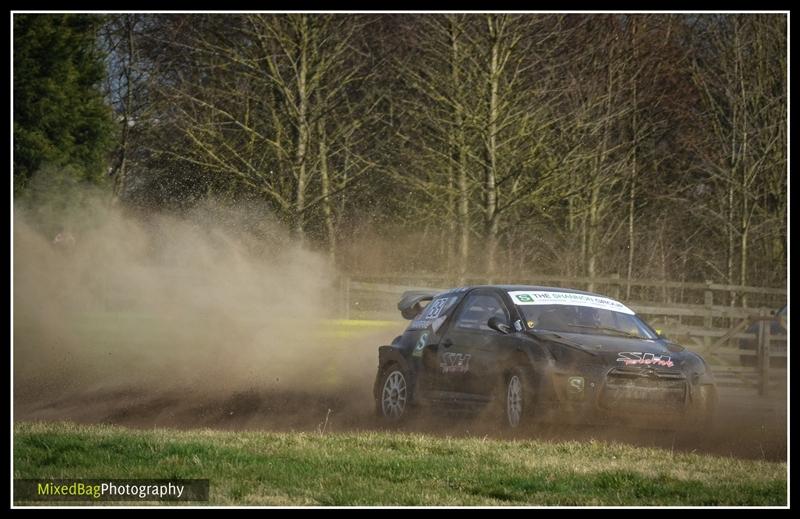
x: 539, y: 353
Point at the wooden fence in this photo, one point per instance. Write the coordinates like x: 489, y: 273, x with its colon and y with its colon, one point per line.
x: 708, y: 294
x: 713, y: 330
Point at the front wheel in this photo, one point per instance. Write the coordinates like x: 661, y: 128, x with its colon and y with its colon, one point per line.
x: 518, y: 405
x: 701, y: 414
x: 393, y: 399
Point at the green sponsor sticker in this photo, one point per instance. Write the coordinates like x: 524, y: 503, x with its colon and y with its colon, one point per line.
x: 420, y: 344
x: 575, y: 385
x: 524, y: 298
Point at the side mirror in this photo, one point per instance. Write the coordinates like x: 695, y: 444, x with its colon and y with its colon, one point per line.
x: 660, y: 334
x: 497, y: 324
x: 674, y: 347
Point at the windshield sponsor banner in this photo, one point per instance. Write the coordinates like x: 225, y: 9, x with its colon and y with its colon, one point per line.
x: 567, y: 298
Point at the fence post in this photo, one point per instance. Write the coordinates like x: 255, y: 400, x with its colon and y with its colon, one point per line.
x: 708, y: 321
x: 763, y: 354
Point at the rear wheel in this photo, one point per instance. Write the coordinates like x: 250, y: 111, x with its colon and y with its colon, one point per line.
x: 393, y: 398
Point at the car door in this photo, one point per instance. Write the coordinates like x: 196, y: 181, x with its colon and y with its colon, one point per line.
x: 468, y: 351
x: 431, y: 324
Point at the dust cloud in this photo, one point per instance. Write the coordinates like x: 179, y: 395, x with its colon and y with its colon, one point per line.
x: 221, y: 318
x: 208, y: 313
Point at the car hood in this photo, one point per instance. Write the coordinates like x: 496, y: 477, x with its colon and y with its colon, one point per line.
x: 622, y: 350
x: 614, y: 344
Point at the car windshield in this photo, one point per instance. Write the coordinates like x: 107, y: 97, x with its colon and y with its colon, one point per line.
x: 586, y: 320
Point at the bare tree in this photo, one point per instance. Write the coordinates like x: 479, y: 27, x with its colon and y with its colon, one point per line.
x: 261, y: 89
x: 639, y: 145
x: 743, y: 88
x: 125, y: 84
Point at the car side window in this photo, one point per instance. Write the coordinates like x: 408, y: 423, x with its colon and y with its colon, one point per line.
x: 628, y: 324
x: 477, y: 311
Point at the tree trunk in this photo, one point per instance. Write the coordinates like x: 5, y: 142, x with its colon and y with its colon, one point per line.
x: 595, y: 200
x: 731, y: 242
x: 744, y: 231
x: 463, y: 211
x: 490, y: 187
x: 744, y: 184
x: 584, y: 239
x: 591, y: 245
x: 743, y: 265
x: 461, y: 160
x: 449, y: 241
x: 327, y: 212
x: 302, y: 127
x: 634, y: 166
x: 119, y: 180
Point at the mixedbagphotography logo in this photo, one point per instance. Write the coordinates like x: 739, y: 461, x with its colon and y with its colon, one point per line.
x: 111, y: 489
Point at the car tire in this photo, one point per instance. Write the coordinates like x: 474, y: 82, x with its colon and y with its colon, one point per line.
x: 516, y: 398
x: 394, y: 394
x: 701, y: 415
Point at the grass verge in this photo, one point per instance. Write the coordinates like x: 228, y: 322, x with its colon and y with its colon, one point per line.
x: 376, y: 468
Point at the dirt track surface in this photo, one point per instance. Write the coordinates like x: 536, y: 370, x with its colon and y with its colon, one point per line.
x: 746, y: 426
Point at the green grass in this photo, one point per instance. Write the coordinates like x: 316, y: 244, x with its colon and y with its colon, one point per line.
x: 260, y: 468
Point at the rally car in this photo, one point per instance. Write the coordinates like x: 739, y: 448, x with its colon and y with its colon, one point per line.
x: 533, y: 353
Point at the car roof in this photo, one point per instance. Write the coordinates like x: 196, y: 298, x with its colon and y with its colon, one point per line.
x: 526, y: 288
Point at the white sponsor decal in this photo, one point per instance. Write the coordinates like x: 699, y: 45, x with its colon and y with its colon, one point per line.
x: 436, y: 307
x: 634, y: 358
x: 568, y: 298
x: 455, y: 362
x: 434, y: 310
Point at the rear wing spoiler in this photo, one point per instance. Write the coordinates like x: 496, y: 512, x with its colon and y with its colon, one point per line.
x: 410, y: 304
